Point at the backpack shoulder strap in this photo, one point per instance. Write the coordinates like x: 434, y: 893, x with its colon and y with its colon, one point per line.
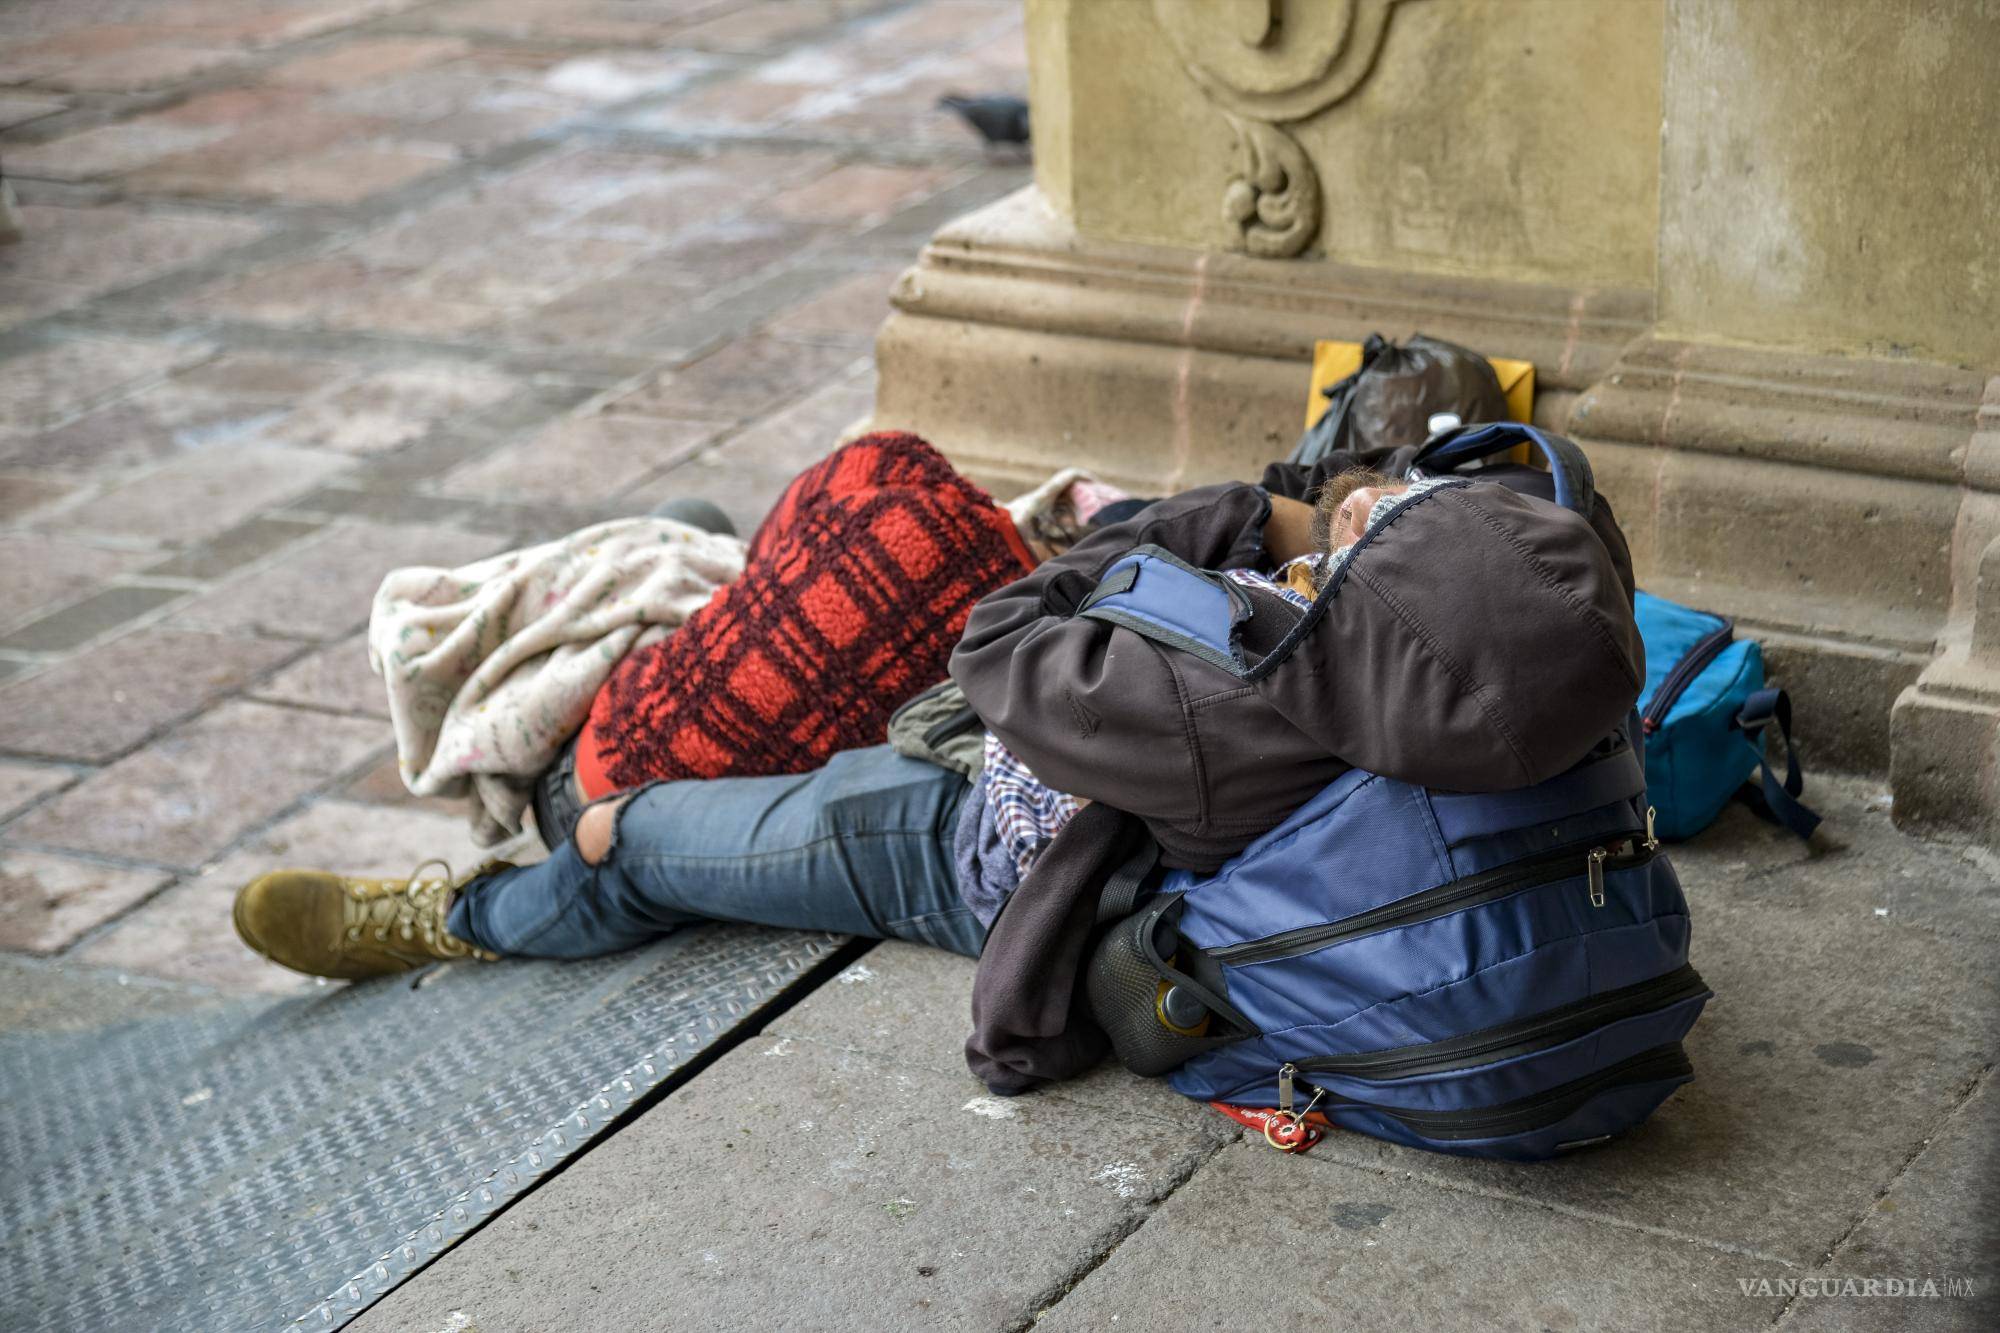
x: 1119, y: 897
x: 1776, y: 801
x: 1575, y: 488
x: 1155, y: 593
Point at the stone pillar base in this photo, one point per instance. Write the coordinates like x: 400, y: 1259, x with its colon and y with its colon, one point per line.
x: 1946, y: 746
x: 1819, y: 500
x: 1019, y: 348
x: 1826, y: 502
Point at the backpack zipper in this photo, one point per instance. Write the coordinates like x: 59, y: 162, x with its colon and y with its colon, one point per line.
x: 1675, y: 684
x: 1631, y: 848
x: 1595, y: 861
x: 1524, y: 1115
x: 1538, y: 1032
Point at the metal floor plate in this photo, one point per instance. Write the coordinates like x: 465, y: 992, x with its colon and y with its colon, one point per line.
x: 261, y: 1164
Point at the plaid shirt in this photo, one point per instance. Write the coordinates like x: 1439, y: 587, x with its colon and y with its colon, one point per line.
x: 1027, y: 812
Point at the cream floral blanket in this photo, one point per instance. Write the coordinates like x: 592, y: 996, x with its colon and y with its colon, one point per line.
x: 491, y: 667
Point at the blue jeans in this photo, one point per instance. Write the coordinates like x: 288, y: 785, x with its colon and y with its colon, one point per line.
x: 860, y: 847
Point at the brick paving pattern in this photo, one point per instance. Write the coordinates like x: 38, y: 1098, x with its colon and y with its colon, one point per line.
x: 315, y: 288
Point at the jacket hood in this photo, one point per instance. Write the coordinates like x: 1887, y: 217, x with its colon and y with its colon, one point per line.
x: 1474, y: 639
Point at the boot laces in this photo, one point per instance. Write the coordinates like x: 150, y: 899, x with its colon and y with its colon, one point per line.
x: 414, y: 910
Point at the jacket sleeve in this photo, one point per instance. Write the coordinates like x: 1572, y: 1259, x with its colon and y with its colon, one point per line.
x: 1091, y: 708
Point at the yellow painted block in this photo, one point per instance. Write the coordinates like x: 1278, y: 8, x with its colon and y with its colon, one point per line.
x: 1334, y: 362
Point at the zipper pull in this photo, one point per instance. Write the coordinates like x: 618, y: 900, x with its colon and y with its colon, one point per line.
x: 1596, y: 870
x: 1286, y: 1129
x: 1652, y: 842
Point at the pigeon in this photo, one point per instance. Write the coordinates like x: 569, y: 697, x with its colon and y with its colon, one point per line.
x: 999, y: 120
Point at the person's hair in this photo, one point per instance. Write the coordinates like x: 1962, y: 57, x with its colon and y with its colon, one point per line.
x: 1333, y: 493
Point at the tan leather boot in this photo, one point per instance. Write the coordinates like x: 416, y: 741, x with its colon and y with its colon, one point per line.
x: 338, y: 926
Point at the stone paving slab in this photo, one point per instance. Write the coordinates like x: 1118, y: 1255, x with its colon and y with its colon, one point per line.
x: 747, y: 477
x: 183, y: 934
x: 603, y: 457
x: 816, y: 1188
x: 44, y: 571
x: 363, y: 61
x: 336, y: 677
x: 41, y: 387
x: 386, y: 408
x: 97, y: 249
x: 383, y: 785
x: 20, y: 108
x: 913, y: 1005
x: 189, y: 497
x: 47, y: 901
x: 851, y: 310
x: 141, y: 684
x: 22, y: 784
x: 1939, y: 1221
x: 322, y: 588
x: 21, y: 494
x: 39, y: 998
x: 1261, y: 1240
x: 23, y: 300
x: 89, y: 618
x: 190, y: 794
x: 232, y: 548
x: 158, y: 424
x: 734, y: 382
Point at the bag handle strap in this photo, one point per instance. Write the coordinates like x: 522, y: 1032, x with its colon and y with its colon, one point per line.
x: 1575, y: 488
x: 1776, y: 801
x: 1121, y: 892
x: 1119, y: 899
x: 1214, y: 1000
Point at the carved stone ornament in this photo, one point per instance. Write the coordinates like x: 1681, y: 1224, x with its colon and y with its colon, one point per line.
x: 1271, y: 204
x: 1265, y: 63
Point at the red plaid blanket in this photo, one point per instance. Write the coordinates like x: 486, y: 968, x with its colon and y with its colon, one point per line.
x: 857, y: 588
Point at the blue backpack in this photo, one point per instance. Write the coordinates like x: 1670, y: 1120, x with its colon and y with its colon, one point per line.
x: 1704, y: 711
x: 1494, y: 975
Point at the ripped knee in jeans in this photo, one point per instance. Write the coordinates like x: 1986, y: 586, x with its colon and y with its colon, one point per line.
x: 597, y: 831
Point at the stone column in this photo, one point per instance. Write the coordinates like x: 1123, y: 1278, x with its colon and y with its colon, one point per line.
x: 1750, y: 246
x: 1790, y: 443
x: 1945, y: 727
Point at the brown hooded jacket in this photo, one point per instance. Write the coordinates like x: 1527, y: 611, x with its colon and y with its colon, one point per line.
x: 1480, y: 639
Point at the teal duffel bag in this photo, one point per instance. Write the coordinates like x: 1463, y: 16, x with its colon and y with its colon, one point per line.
x: 1703, y: 715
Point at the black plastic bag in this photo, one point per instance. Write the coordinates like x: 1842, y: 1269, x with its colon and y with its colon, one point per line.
x: 1391, y: 399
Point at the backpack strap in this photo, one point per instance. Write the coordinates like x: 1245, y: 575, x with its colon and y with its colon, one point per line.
x: 1619, y: 774
x: 1774, y: 800
x: 1152, y: 592
x: 1119, y: 897
x: 1134, y: 881
x: 1201, y: 979
x: 1444, y: 453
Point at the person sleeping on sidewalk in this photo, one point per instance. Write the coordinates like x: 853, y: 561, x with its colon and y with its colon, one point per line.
x: 1454, y: 633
